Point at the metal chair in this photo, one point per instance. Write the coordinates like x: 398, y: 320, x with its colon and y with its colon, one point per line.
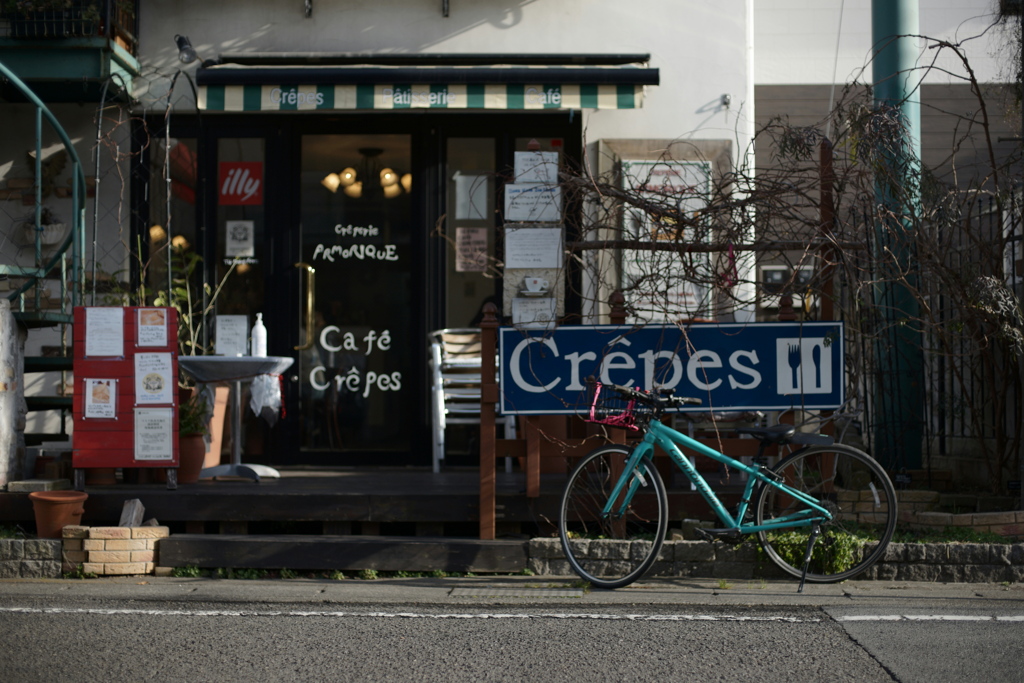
x: 455, y: 387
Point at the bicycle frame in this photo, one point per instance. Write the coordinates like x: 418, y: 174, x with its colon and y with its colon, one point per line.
x: 666, y: 438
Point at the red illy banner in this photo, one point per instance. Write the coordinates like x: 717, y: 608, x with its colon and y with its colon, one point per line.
x: 240, y: 183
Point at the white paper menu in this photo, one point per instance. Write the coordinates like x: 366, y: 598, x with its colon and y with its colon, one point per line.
x: 104, y: 332
x: 100, y: 398
x: 230, y: 335
x: 154, y: 435
x: 152, y: 327
x: 155, y: 382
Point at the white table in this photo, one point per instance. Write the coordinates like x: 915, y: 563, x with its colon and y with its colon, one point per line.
x: 234, y: 369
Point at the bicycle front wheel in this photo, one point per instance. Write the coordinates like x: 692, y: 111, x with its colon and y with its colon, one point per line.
x: 854, y: 489
x: 612, y: 551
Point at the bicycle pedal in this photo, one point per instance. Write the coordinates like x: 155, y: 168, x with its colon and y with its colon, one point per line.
x: 731, y: 536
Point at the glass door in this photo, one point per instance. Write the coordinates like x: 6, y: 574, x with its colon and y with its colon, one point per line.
x: 356, y: 362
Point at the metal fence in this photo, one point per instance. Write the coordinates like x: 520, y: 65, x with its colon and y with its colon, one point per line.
x: 967, y: 272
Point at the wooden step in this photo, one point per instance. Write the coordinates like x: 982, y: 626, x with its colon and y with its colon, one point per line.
x: 48, y: 403
x: 48, y: 363
x: 344, y: 553
x: 37, y: 319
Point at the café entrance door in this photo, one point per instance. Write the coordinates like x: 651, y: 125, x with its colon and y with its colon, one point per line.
x: 359, y: 334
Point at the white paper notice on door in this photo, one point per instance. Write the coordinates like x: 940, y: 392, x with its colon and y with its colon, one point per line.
x: 104, y: 332
x: 533, y: 247
x: 154, y: 436
x: 470, y: 250
x: 239, y: 239
x: 154, y: 378
x: 471, y: 197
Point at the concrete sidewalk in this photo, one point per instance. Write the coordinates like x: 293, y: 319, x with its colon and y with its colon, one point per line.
x: 507, y: 590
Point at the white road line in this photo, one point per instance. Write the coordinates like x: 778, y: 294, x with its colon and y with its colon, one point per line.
x: 405, y: 615
x: 930, y: 617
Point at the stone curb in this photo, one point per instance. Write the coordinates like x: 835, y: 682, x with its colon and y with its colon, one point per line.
x: 30, y: 558
x: 945, y: 562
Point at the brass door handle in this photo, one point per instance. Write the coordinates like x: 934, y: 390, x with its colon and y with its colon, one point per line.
x: 310, y: 300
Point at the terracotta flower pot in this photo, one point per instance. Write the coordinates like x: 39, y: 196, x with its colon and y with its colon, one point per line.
x: 55, y: 510
x: 191, y: 457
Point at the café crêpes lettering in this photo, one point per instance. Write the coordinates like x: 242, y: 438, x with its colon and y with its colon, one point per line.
x: 333, y: 340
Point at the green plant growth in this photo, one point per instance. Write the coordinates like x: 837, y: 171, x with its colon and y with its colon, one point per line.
x: 368, y: 574
x: 832, y: 556
x: 79, y: 573
x: 192, y: 416
x: 193, y: 302
x: 186, y: 572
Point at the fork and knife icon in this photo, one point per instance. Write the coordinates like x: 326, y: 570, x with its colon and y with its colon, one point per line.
x: 795, y: 359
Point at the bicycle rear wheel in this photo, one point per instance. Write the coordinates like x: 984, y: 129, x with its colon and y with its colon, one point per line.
x: 858, y: 493
x: 612, y: 552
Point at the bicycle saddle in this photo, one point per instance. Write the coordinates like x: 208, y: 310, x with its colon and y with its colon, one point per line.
x: 783, y: 434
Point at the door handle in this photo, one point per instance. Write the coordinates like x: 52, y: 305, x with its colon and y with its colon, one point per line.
x: 310, y: 300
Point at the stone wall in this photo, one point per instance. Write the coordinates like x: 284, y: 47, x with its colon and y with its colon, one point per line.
x: 946, y: 562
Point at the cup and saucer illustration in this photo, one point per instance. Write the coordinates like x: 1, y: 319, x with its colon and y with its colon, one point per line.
x: 534, y: 286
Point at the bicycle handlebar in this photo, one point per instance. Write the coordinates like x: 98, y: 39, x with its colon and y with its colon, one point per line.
x: 665, y: 399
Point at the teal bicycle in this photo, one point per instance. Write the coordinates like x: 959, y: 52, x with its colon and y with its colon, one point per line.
x: 824, y: 513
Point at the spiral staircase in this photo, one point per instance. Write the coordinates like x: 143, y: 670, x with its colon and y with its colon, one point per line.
x: 54, y: 266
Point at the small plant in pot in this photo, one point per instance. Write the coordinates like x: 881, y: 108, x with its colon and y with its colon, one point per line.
x: 191, y: 439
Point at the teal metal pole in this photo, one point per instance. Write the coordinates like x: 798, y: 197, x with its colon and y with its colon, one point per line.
x: 898, y: 413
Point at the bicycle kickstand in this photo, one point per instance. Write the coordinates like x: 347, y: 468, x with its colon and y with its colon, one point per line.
x: 815, y: 532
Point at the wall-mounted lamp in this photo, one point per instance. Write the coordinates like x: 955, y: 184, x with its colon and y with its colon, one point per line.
x: 186, y: 53
x: 726, y: 100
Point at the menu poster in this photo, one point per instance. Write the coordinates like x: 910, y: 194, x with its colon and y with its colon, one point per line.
x: 101, y: 398
x: 533, y: 248
x: 154, y: 378
x: 230, y: 335
x: 152, y: 327
x: 104, y: 332
x: 154, y: 434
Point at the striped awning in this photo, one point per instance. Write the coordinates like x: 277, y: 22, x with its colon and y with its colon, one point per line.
x: 230, y: 88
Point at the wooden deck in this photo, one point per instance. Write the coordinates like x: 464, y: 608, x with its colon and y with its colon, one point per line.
x: 361, y: 501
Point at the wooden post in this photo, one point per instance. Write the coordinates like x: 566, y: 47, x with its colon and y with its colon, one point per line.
x: 488, y: 401
x: 618, y: 304
x: 618, y: 317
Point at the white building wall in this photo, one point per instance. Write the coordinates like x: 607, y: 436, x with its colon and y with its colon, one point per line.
x: 698, y: 46
x: 797, y: 40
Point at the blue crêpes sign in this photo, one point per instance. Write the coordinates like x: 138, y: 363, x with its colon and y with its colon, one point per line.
x: 757, y: 366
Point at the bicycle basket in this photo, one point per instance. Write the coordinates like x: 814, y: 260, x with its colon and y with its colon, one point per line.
x: 609, y: 408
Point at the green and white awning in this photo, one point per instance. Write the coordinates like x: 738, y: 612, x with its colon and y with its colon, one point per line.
x: 242, y: 89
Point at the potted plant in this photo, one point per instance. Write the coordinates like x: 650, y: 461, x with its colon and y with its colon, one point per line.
x: 192, y: 421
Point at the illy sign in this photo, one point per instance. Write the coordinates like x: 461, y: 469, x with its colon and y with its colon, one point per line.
x: 241, y: 183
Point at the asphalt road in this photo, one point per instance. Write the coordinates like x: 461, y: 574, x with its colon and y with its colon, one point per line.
x: 506, y: 629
